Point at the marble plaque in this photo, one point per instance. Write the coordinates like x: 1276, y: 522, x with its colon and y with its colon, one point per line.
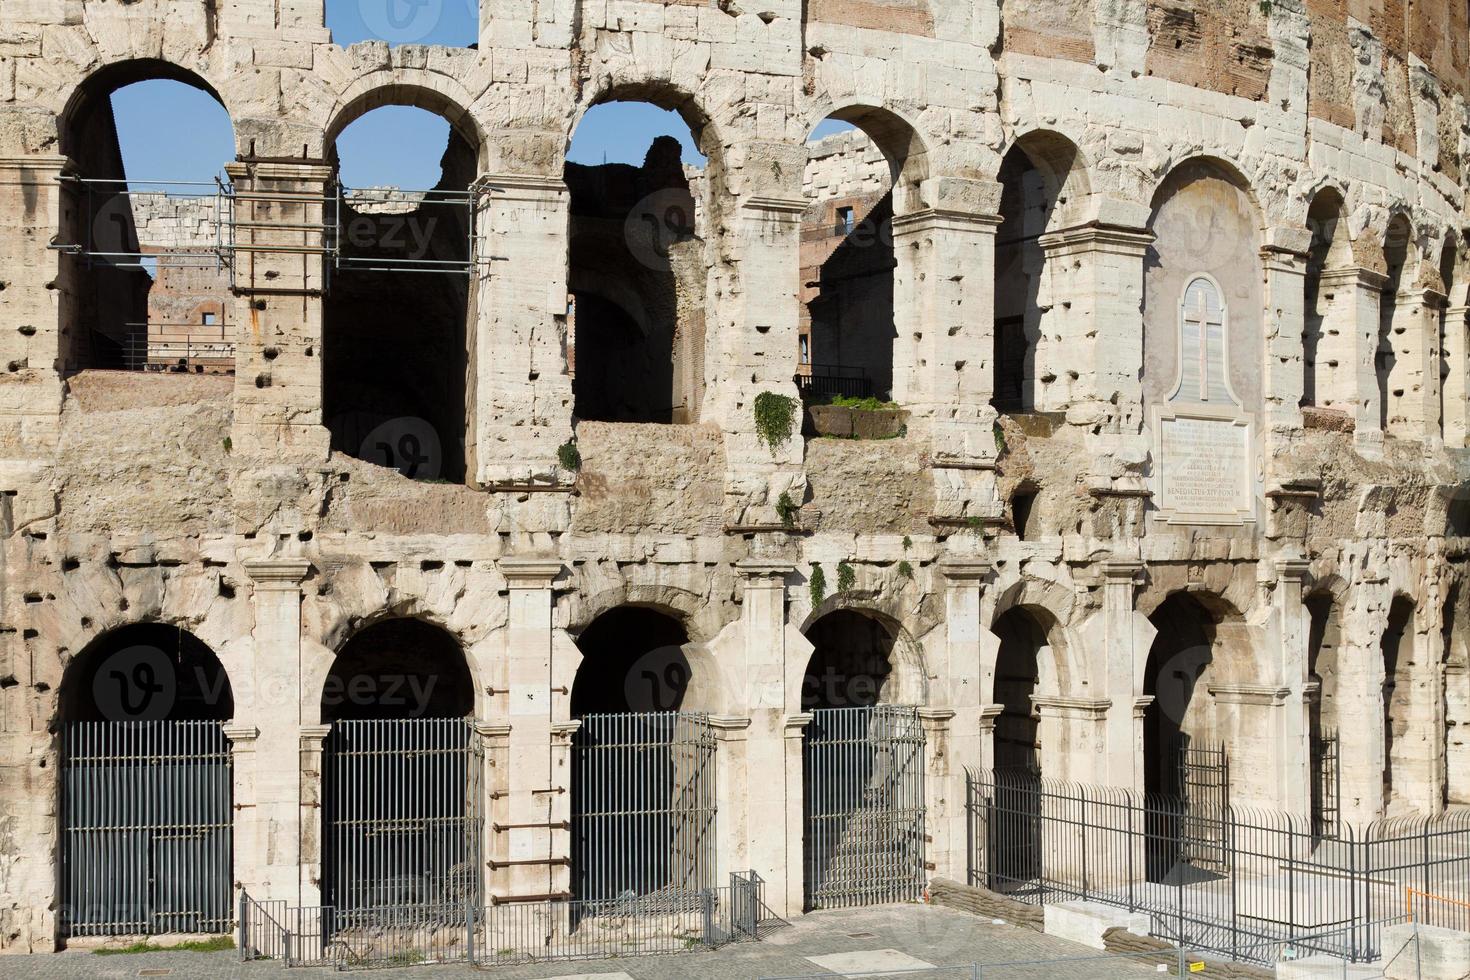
x: 1204, y: 468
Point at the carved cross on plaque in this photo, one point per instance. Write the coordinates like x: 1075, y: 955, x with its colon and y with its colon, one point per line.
x: 1202, y: 354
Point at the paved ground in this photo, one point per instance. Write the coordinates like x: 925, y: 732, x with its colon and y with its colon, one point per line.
x: 825, y: 944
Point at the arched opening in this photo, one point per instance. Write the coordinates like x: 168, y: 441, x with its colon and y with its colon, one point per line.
x: 862, y: 766
x: 1395, y: 325
x: 145, y: 283
x: 1451, y: 348
x: 1327, y: 376
x: 1398, y: 648
x: 640, y: 211
x: 146, y: 786
x: 846, y: 322
x: 851, y: 662
x: 446, y: 23
x: 397, y: 342
x: 1323, y: 644
x: 1184, y: 748
x: 1207, y: 230
x: 1043, y: 181
x: 401, y: 772
x: 1017, y: 675
x: 642, y: 801
x: 1456, y: 730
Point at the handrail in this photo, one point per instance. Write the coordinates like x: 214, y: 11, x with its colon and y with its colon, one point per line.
x: 1409, y: 894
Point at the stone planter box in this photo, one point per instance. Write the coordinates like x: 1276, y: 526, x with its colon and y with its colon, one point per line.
x: 856, y: 423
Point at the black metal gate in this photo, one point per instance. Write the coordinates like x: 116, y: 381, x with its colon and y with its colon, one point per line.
x: 402, y: 814
x: 146, y: 828
x: 863, y: 773
x: 643, y: 804
x: 1326, y: 786
x: 1204, y: 788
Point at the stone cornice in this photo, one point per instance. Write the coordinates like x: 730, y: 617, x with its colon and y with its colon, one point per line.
x: 795, y: 725
x: 312, y: 736
x: 1097, y: 237
x: 241, y: 736
x: 277, y: 574
x: 52, y: 163
x: 965, y: 569
x: 1073, y: 707
x: 530, y: 573
x: 279, y: 170
x: 1355, y: 276
x: 777, y: 205
x: 1265, y: 694
x: 759, y: 568
x: 917, y: 221
x: 486, y: 729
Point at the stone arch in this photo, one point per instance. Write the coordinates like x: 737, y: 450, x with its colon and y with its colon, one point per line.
x: 1206, y: 220
x: 145, y: 670
x: 670, y: 600
x: 418, y: 88
x: 664, y: 94
x: 1396, y: 328
x: 899, y: 138
x: 1327, y: 381
x: 1054, y: 606
x: 98, y: 86
x: 318, y: 671
x: 904, y: 681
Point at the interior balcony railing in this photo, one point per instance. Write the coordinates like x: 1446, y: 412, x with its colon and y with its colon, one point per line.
x: 833, y: 380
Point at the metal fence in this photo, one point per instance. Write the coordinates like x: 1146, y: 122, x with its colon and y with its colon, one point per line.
x: 831, y: 380
x: 863, y: 770
x: 643, y: 804
x: 1273, y: 883
x: 1204, y: 788
x: 672, y: 921
x: 1326, y: 786
x: 401, y: 814
x: 146, y: 828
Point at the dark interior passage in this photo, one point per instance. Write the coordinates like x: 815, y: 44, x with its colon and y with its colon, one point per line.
x: 147, y: 672
x: 632, y: 661
x: 851, y: 661
x: 399, y: 668
x: 1017, y: 735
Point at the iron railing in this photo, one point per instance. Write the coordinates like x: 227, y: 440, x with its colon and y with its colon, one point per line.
x: 1326, y: 786
x: 863, y: 770
x: 672, y: 921
x: 833, y: 380
x: 643, y: 804
x: 146, y: 828
x: 1274, y: 882
x: 402, y: 805
x: 178, y: 348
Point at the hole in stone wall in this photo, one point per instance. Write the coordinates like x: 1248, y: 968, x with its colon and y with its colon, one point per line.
x: 632, y: 661
x: 1021, y: 503
x: 636, y: 266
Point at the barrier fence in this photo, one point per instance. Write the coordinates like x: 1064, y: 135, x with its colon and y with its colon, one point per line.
x: 1270, y: 883
x: 673, y: 921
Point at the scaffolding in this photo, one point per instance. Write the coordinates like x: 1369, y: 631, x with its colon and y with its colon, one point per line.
x: 232, y: 221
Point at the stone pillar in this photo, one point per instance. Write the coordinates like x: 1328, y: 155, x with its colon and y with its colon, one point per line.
x: 1413, y: 384
x: 520, y: 394
x: 1254, y: 723
x: 944, y: 350
x: 1121, y: 655
x: 771, y: 821
x: 968, y: 647
x: 790, y: 885
x: 944, y: 798
x: 1347, y: 377
x: 1455, y: 386
x: 311, y: 844
x: 285, y: 862
x: 1284, y: 259
x: 40, y: 304
x: 246, y: 830
x: 732, y: 790
x: 495, y: 742
x: 535, y: 786
x: 988, y: 716
x: 1074, y: 737
x: 279, y: 281
x: 1288, y: 634
x: 753, y: 334
x: 1360, y: 742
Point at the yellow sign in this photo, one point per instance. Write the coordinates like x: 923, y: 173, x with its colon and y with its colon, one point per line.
x: 1196, y: 968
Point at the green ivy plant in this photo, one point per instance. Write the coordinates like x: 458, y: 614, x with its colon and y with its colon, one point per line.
x: 786, y: 509
x: 905, y: 569
x: 818, y: 584
x: 1000, y: 440
x: 568, y: 457
x: 775, y: 418
x: 908, y: 542
x: 846, y: 577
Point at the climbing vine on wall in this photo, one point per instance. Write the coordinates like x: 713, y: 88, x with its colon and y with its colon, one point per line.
x: 818, y: 584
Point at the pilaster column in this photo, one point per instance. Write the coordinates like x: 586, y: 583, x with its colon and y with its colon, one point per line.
x: 968, y: 648
x: 791, y: 885
x: 280, y: 247
x: 1074, y: 736
x: 43, y: 308
x: 944, y: 349
x: 1288, y: 634
x: 1255, y: 725
x: 771, y: 818
x: 1121, y: 654
x: 732, y: 788
x: 519, y: 409
x: 309, y: 841
x: 534, y: 784
x: 246, y: 831
x: 1284, y: 259
x: 1455, y: 387
x: 1413, y: 384
x: 287, y: 863
x: 1347, y: 377
x: 944, y: 798
x: 495, y: 742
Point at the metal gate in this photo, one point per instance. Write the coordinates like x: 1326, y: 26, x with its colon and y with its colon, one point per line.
x: 643, y: 804
x: 863, y: 771
x: 1204, y: 785
x: 1326, y: 786
x: 402, y: 814
x: 146, y: 828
